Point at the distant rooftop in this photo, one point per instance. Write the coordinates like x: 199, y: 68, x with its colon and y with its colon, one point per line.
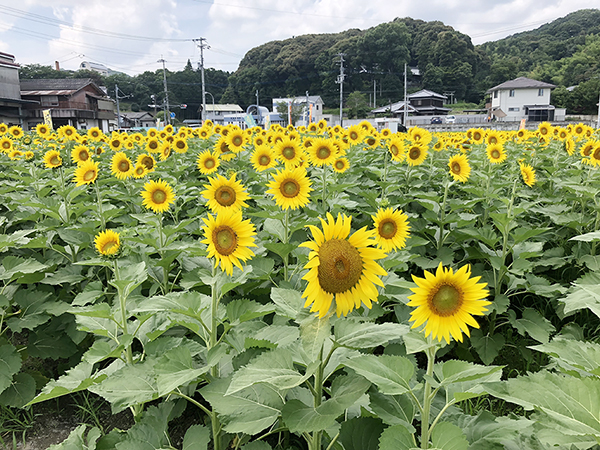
x: 522, y: 83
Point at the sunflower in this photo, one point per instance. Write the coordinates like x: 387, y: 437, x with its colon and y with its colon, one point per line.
x: 52, y: 159
x: 15, y: 154
x: 289, y: 152
x: 121, y: 166
x: 86, y: 172
x: 147, y: 161
x: 290, y: 187
x: 236, y: 139
x: 447, y: 301
x: 341, y: 266
x: 420, y: 135
x: 355, y: 134
x: 416, y: 154
x: 205, y: 131
x: 169, y: 129
x: 6, y: 144
x: 545, y: 129
x: 28, y: 154
x: 263, y: 158
x: 15, y: 131
x: 595, y: 155
x: 340, y: 165
x: 67, y: 132
x: 158, y: 196
x: 569, y: 146
x: 586, y: 149
x: 3, y: 128
x: 223, y: 150
x: 115, y: 143
x: 397, y: 149
x: 224, y: 194
x: 140, y: 171
x: 165, y: 150
x: 107, y: 242
x: 228, y: 238
x: 459, y: 167
x: 95, y: 134
x: 207, y: 162
x: 180, y: 145
x: 391, y: 229
x: 477, y: 135
x: 80, y: 154
x: 495, y: 153
x: 42, y: 130
x: 152, y: 145
x: 492, y: 137
x: 322, y: 152
x: 528, y: 174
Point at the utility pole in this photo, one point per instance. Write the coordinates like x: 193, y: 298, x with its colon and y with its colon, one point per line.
x: 374, y: 93
x: 340, y: 81
x: 307, y: 110
x: 257, y: 108
x: 405, y: 99
x: 166, y: 103
x: 202, y: 46
x: 118, y: 109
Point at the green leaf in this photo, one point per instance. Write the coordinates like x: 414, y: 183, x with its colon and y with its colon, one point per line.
x: 314, y: 331
x: 457, y: 371
x: 14, y: 267
x: 257, y: 445
x: 585, y: 294
x: 242, y: 310
x: 587, y: 237
x: 128, y: 386
x: 447, y: 436
x: 35, y: 309
x: 275, y: 228
x: 280, y: 248
x: 275, y: 368
x: 415, y: 341
x: 10, y: 363
x: 570, y: 404
x: 288, y: 302
x: 396, y: 438
x: 176, y: 368
x: 101, y: 350
x: 20, y: 392
x: 196, y: 437
x: 189, y: 303
x: 581, y: 355
x: 532, y: 323
x: 391, y: 374
x: 76, y: 379
x: 393, y: 409
x: 248, y: 411
x: 487, y: 432
x: 16, y: 239
x: 345, y: 391
x: 130, y: 277
x: 361, y: 433
x: 487, y: 347
x: 77, y: 440
x: 361, y: 335
x: 92, y: 292
x: 151, y: 432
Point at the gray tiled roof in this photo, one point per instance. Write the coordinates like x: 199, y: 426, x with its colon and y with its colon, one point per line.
x: 522, y: 83
x: 55, y: 84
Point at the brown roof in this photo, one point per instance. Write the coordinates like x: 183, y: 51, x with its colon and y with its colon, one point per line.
x: 66, y: 85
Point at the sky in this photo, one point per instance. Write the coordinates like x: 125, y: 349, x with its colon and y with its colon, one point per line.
x: 134, y: 36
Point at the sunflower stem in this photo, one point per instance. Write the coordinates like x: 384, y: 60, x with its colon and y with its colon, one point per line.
x: 286, y: 226
x: 315, y: 443
x: 99, y: 199
x: 430, y: 352
x: 324, y: 193
x: 64, y: 195
x: 165, y: 283
x: 443, y: 215
x: 214, y: 370
x: 385, y: 172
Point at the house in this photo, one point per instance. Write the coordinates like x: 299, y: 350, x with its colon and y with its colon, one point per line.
x: 11, y: 103
x: 428, y: 103
x: 78, y: 102
x: 395, y: 109
x: 142, y: 119
x: 522, y: 98
x: 310, y: 114
x: 216, y: 113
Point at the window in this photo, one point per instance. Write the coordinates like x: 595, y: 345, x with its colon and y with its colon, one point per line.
x: 495, y: 94
x: 511, y: 93
x: 49, y: 100
x: 513, y: 109
x: 540, y: 92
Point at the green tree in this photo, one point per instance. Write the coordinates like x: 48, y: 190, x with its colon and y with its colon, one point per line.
x: 283, y: 111
x: 358, y: 105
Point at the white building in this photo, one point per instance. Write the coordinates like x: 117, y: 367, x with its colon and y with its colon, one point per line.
x: 217, y: 112
x: 312, y: 113
x: 523, y: 98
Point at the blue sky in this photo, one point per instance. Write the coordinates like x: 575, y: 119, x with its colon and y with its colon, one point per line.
x: 133, y: 35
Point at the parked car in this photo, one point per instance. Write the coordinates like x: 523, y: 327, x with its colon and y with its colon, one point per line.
x: 450, y: 119
x: 436, y: 120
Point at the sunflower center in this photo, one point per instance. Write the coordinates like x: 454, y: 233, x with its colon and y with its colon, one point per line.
x: 147, y: 162
x: 225, y: 240
x: 180, y: 144
x: 225, y: 196
x: 340, y: 266
x: 493, y: 140
x: 353, y: 135
x: 153, y: 145
x: 288, y: 152
x: 323, y: 153
x: 456, y: 167
x: 89, y: 175
x: 123, y: 166
x: 495, y: 153
x: 209, y: 163
x: 264, y: 160
x: 290, y: 188
x: 371, y: 141
x: 387, y: 229
x: 477, y: 136
x: 115, y: 144
x: 83, y: 156
x: 446, y: 301
x: 159, y: 196
x: 237, y: 141
x: 6, y: 145
x: 106, y: 248
x: 55, y: 160
x: 414, y: 153
x: 394, y: 150
x: 339, y: 165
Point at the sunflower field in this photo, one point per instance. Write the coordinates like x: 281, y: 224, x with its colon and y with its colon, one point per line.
x: 305, y: 288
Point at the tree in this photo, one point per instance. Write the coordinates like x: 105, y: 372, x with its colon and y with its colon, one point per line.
x: 283, y: 109
x: 358, y: 105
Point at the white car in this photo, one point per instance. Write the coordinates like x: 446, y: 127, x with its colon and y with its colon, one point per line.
x: 450, y: 119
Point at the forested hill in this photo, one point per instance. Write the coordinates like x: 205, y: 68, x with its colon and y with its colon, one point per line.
x: 564, y: 52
